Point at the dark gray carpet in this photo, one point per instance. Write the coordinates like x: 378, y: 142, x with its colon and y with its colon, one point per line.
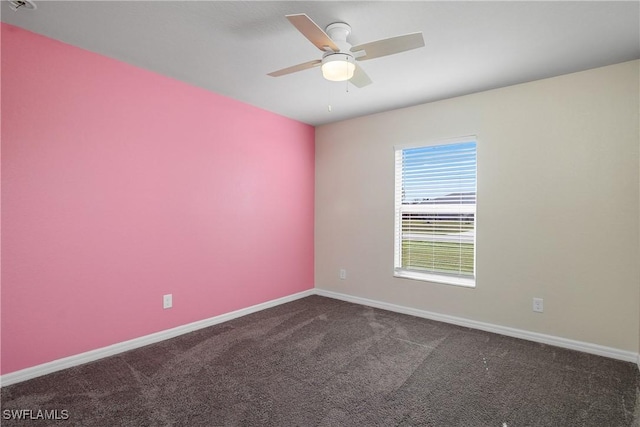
x: 322, y: 362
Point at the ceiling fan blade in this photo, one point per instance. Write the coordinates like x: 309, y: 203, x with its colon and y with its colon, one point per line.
x: 360, y: 78
x: 295, y: 68
x: 389, y: 46
x: 310, y: 30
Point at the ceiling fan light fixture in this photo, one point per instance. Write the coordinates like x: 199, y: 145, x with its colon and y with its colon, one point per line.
x: 338, y: 67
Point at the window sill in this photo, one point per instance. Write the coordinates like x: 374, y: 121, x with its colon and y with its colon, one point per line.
x: 467, y: 282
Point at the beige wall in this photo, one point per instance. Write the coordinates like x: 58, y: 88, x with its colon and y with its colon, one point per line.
x: 557, y: 214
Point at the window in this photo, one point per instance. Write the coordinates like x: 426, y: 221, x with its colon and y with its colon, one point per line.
x: 435, y: 212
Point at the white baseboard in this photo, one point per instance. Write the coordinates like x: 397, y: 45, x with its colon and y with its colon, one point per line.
x: 99, y: 353
x: 90, y: 356
x: 613, y: 353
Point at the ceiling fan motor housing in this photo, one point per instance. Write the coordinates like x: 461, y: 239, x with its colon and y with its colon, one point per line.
x: 338, y: 31
x: 338, y: 66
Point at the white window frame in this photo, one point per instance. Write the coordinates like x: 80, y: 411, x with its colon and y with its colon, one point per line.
x: 437, y: 277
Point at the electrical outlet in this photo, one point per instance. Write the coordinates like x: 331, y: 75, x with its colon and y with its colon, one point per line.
x: 538, y: 305
x: 343, y: 274
x: 167, y: 301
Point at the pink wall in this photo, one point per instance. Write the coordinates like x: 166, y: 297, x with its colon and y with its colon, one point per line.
x: 120, y: 185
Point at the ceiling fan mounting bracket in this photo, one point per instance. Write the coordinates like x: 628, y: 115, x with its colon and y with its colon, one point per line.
x: 338, y: 31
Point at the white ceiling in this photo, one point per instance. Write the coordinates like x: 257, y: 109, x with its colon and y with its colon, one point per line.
x: 229, y: 47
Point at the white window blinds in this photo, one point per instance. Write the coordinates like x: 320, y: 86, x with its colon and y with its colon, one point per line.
x: 435, y: 204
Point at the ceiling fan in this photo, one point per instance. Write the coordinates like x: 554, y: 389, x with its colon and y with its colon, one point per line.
x: 338, y: 62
